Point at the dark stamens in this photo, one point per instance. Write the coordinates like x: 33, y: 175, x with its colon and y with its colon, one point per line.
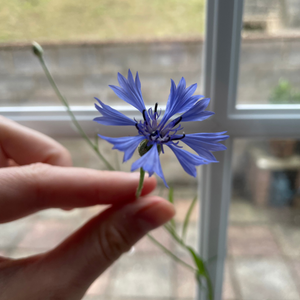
x: 154, y: 133
x: 137, y: 127
x: 178, y: 121
x: 155, y: 107
x: 144, y: 115
x: 179, y: 138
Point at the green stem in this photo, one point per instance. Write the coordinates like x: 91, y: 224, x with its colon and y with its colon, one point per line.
x: 171, y: 230
x: 140, y: 187
x: 65, y: 103
x: 168, y: 252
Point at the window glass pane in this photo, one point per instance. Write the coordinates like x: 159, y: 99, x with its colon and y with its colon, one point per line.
x: 263, y: 234
x: 270, y: 64
x: 91, y: 41
x: 144, y: 273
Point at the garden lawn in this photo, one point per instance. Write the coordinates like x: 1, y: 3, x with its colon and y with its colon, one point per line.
x: 75, y: 20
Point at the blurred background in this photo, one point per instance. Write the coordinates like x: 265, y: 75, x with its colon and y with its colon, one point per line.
x: 86, y: 43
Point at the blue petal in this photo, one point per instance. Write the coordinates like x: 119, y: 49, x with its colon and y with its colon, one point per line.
x: 150, y: 163
x: 188, y: 160
x: 111, y: 116
x: 203, y: 143
x: 180, y: 99
x: 126, y: 144
x: 197, y: 112
x: 210, y: 137
x: 130, y: 91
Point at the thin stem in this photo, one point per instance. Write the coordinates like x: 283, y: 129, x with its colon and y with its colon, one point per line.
x: 168, y: 252
x: 65, y: 103
x: 171, y: 230
x: 140, y: 187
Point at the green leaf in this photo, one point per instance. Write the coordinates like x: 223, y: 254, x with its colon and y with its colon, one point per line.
x: 202, y: 272
x: 198, y: 261
x: 187, y: 218
x: 199, y: 279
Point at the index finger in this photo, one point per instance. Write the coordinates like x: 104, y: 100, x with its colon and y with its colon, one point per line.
x: 25, y: 190
x: 26, y: 146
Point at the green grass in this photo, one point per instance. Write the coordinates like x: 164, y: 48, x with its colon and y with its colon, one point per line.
x: 68, y: 20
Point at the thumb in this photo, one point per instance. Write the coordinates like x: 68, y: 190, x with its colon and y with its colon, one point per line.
x: 78, y: 261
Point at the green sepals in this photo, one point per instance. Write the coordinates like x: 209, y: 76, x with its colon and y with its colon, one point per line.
x: 37, y: 49
x: 144, y: 148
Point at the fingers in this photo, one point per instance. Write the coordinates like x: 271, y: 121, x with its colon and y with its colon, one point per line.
x: 41, y: 186
x: 3, y: 158
x: 26, y: 146
x: 67, y: 271
x: 92, y: 249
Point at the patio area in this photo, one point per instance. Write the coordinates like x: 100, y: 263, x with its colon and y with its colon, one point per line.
x: 263, y: 259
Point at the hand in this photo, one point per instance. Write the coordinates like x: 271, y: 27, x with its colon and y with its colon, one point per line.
x: 36, y: 174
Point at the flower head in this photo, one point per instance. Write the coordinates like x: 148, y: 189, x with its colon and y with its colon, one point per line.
x: 154, y: 132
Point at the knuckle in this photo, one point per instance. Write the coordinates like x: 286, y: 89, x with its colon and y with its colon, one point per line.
x: 36, y: 170
x: 113, y: 241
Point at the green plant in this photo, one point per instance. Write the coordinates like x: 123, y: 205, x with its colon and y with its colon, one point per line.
x: 284, y: 93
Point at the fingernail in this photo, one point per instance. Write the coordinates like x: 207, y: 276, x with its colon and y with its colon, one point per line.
x: 136, y: 175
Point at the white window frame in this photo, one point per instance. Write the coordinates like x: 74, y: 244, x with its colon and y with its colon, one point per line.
x: 221, y: 60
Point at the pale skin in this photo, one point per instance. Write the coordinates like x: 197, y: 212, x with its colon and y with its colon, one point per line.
x: 36, y: 173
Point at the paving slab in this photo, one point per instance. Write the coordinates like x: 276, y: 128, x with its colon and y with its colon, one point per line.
x: 191, y: 238
x: 11, y: 233
x: 182, y: 206
x: 228, y: 289
x: 289, y: 239
x: 252, y: 240
x: 185, y: 283
x: 142, y: 276
x: 295, y: 269
x: 145, y: 245
x: 45, y: 234
x: 265, y: 279
x: 242, y: 211
x: 57, y: 214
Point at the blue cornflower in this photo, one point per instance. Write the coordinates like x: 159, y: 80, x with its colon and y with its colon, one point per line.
x: 154, y: 134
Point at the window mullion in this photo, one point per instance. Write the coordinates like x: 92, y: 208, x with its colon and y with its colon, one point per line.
x: 224, y: 21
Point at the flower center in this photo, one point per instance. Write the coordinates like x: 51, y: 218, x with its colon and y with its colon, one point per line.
x: 153, y: 132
